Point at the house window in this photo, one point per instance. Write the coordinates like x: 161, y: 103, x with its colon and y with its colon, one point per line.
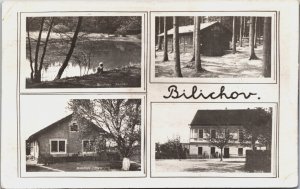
x: 213, y: 133
x: 74, y: 127
x: 199, y: 150
x: 241, y: 135
x: 240, y: 151
x: 88, y: 146
x: 200, y: 133
x: 58, y: 146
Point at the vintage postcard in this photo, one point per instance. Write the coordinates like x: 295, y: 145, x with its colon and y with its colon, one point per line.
x: 150, y: 94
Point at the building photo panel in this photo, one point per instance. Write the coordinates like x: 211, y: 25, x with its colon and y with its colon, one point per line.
x: 212, y: 46
x: 204, y: 139
x: 99, y: 136
x: 82, y: 51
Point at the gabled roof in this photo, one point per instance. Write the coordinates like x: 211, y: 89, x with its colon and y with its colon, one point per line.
x: 55, y: 124
x: 221, y: 117
x: 190, y: 28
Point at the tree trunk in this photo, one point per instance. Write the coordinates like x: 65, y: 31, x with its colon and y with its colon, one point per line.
x: 267, y: 47
x: 241, y: 31
x: 251, y: 39
x: 45, y: 47
x: 159, y: 37
x: 194, y: 38
x: 197, y: 45
x: 126, y: 164
x: 244, y: 23
x: 37, y: 76
x: 221, y: 154
x: 165, y: 41
x: 253, y: 143
x: 65, y: 64
x: 176, y: 48
x: 233, y: 36
x: 258, y: 33
x: 255, y: 33
x: 30, y: 54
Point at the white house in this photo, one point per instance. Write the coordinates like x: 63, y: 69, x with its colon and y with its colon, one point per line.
x: 218, y: 124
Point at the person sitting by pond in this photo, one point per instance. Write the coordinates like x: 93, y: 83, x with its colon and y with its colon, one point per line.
x: 100, y: 68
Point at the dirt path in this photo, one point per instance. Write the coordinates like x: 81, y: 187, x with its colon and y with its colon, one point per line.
x: 200, y: 165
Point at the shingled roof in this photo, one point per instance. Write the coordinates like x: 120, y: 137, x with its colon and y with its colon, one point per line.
x: 190, y: 28
x: 55, y: 124
x: 222, y: 117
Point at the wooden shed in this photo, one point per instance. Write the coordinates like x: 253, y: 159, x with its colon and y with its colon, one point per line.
x: 215, y: 38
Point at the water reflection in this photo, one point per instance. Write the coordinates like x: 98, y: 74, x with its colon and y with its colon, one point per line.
x: 87, y: 56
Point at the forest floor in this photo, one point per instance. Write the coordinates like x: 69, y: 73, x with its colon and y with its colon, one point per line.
x: 129, y: 76
x: 229, y: 65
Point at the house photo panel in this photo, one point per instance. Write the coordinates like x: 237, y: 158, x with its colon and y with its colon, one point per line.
x: 218, y: 140
x: 71, y: 51
x: 82, y: 136
x: 214, y: 47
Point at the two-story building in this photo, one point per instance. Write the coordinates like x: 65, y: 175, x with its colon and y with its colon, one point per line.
x: 208, y: 124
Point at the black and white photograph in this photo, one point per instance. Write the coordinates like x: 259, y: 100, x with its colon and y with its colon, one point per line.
x: 200, y: 139
x: 83, y: 51
x: 212, y: 47
x: 150, y: 94
x: 84, y: 135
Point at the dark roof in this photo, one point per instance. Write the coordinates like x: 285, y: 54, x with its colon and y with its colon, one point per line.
x: 67, y: 118
x: 222, y: 117
x: 190, y: 28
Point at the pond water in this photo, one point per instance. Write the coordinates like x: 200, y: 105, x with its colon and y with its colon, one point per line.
x: 86, y: 57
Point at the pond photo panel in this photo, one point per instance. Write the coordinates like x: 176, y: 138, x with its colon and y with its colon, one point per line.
x: 83, y: 52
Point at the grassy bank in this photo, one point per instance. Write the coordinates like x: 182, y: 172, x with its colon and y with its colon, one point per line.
x: 116, y: 78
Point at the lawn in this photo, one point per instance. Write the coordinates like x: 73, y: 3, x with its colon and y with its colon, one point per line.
x: 229, y: 65
x: 35, y: 168
x: 234, y: 165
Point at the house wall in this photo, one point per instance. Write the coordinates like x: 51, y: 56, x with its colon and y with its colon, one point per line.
x: 215, y: 40
x: 34, y: 149
x: 206, y: 149
x: 233, y: 146
x: 194, y: 132
x: 74, y: 139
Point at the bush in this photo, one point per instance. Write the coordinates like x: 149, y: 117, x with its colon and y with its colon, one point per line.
x: 258, y: 160
x: 121, y: 31
x: 170, y: 151
x: 61, y: 28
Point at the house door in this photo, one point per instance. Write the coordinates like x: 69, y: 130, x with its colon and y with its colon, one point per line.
x: 240, y: 151
x: 199, y: 150
x: 226, y: 152
x: 212, y: 151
